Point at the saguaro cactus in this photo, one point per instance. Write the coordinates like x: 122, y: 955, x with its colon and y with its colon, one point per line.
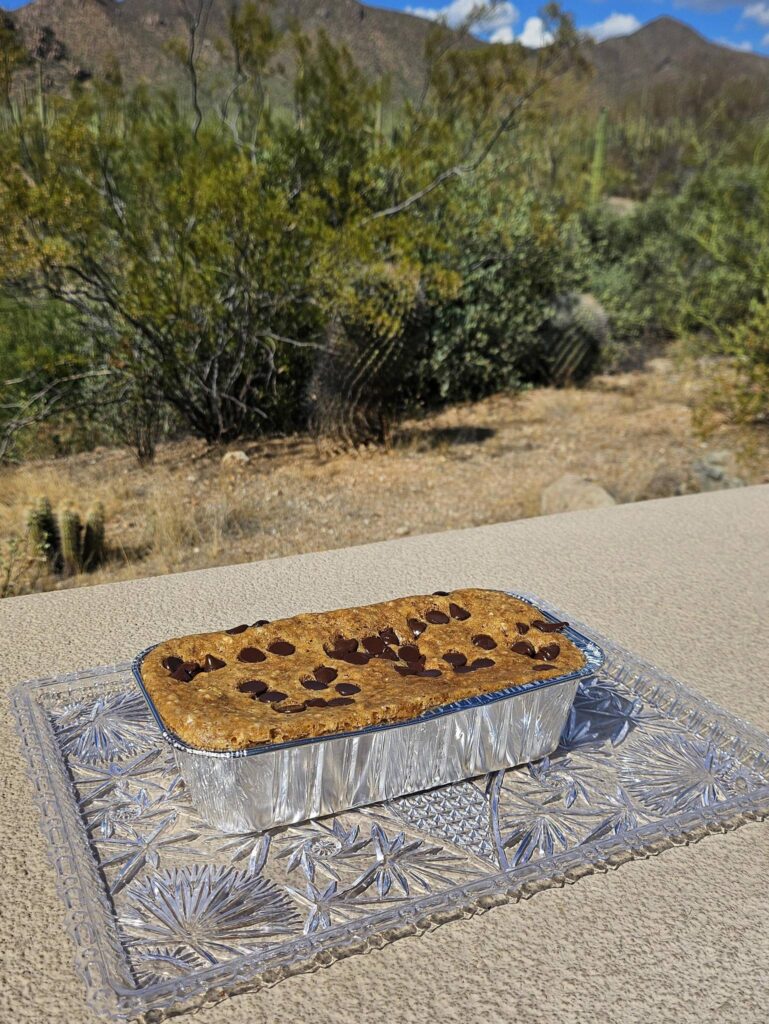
x: 599, y: 159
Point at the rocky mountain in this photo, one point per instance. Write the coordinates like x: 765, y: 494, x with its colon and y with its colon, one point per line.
x: 665, y: 62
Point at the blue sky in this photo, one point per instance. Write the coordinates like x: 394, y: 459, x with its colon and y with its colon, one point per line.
x: 744, y: 26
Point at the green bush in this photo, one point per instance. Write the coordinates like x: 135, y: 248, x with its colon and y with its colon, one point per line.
x: 513, y: 256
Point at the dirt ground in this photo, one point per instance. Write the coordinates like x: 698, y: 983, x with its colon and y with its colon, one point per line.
x: 478, y: 463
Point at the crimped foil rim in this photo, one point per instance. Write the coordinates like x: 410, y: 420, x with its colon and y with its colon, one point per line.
x: 594, y: 658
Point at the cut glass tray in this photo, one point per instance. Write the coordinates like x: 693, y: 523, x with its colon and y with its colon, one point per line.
x: 166, y: 912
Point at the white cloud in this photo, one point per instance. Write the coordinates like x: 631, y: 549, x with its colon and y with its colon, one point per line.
x: 499, y: 16
x: 503, y: 35
x: 743, y: 47
x: 614, y: 25
x: 535, y: 34
x: 757, y: 12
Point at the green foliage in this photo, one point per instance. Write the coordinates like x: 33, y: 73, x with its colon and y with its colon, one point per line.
x: 513, y: 255
x: 207, y: 264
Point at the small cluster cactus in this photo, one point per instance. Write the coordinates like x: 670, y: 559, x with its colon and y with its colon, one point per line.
x: 68, y: 546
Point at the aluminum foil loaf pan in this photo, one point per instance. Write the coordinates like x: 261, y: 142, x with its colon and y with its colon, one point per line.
x: 280, y: 783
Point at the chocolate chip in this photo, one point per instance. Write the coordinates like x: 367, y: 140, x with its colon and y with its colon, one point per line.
x: 251, y: 654
x: 437, y: 618
x: 211, y: 664
x: 237, y: 629
x: 458, y: 612
x: 253, y: 686
x: 261, y: 622
x: 484, y: 641
x: 431, y: 673
x: 344, y: 646
x: 549, y: 652
x: 474, y: 666
x: 455, y: 658
x: 541, y: 668
x: 407, y: 670
x: 272, y: 696
x: 416, y: 626
x: 409, y: 652
x: 347, y: 689
x: 314, y: 684
x: 325, y: 674
x: 281, y: 647
x: 549, y: 627
x: 440, y: 593
x: 388, y: 654
x: 522, y: 627
x: 337, y: 702
x: 290, y: 709
x: 354, y: 658
x: 389, y: 636
x: 172, y: 663
x: 374, y: 644
x: 315, y: 702
x: 524, y: 647
x: 186, y: 671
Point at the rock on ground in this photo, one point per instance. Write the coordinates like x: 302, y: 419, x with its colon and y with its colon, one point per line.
x: 570, y: 493
x: 234, y: 460
x: 717, y: 471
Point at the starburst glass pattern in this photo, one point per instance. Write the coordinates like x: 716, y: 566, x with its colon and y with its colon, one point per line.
x: 126, y: 808
x: 678, y: 773
x: 528, y: 829
x: 320, y: 847
x: 213, y: 912
x: 642, y: 762
x: 409, y: 866
x: 133, y: 850
x: 574, y: 781
x: 156, y: 964
x: 328, y: 905
x: 602, y: 714
x: 94, y: 782
x: 253, y: 847
x: 105, y: 729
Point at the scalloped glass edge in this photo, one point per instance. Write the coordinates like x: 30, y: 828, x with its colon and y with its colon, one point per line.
x: 89, y: 919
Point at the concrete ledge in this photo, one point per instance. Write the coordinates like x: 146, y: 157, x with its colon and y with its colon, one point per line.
x: 685, y: 582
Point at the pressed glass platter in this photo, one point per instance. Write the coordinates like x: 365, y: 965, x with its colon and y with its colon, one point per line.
x: 166, y: 912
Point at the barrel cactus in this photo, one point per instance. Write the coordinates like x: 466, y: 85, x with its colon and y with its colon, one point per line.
x: 574, y: 339
x: 93, y: 548
x: 70, y: 535
x: 42, y: 532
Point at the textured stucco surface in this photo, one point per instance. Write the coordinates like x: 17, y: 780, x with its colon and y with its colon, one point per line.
x: 681, y: 937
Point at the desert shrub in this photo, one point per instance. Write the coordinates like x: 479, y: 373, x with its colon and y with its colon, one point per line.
x: 513, y: 256
x: 743, y: 391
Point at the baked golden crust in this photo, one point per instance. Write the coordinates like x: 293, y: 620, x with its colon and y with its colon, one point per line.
x: 321, y: 673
